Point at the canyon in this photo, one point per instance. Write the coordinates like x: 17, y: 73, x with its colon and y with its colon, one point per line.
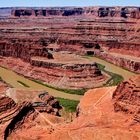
x: 103, y: 113
x: 53, y: 58
x: 106, y: 32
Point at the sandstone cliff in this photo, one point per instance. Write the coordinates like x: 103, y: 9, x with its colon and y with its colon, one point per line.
x: 23, y: 49
x: 107, y: 29
x: 103, y: 114
x: 126, y: 97
x: 14, y: 117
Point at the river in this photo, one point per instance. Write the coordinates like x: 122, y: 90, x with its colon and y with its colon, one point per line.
x: 113, y: 68
x: 12, y: 79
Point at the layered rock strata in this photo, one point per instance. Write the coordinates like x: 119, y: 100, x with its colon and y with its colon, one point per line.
x: 131, y: 63
x: 98, y: 117
x: 23, y: 49
x: 47, y: 104
x: 71, y: 75
x: 83, y: 34
x: 126, y: 97
x: 14, y: 117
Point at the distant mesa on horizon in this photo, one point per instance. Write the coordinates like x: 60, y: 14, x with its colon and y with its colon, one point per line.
x: 100, y: 11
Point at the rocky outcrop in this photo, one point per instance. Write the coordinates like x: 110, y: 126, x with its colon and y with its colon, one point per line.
x: 100, y: 112
x: 15, y: 116
x: 23, y: 49
x: 126, y: 97
x: 6, y: 104
x: 48, y: 104
x: 68, y: 67
x: 97, y: 119
x: 16, y: 122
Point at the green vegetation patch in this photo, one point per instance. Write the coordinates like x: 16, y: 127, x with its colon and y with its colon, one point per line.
x: 25, y: 85
x: 69, y: 105
x: 101, y: 67
x: 70, y: 91
x: 115, y: 78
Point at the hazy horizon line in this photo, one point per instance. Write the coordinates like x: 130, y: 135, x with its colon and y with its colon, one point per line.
x: 68, y: 6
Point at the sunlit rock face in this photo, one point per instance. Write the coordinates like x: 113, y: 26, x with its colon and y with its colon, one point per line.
x: 126, y: 97
x: 92, y: 30
x: 35, y: 34
x: 23, y: 49
x: 25, y: 115
x: 99, y: 113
